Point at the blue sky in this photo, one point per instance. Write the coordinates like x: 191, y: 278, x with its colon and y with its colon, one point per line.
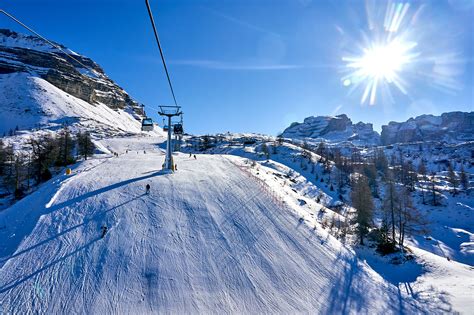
x: 258, y: 65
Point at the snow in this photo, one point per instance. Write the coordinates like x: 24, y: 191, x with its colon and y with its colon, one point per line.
x: 31, y: 42
x: 31, y: 102
x: 206, y: 239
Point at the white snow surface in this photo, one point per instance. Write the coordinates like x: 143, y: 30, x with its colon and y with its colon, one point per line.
x: 28, y: 101
x: 207, y: 239
x: 31, y: 42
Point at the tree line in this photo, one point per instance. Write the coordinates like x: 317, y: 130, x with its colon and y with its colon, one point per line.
x: 21, y: 170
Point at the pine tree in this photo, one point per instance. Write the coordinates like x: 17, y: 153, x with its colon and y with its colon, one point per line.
x: 422, y: 172
x: 390, y: 203
x: 279, y: 140
x: 381, y: 162
x: 409, y: 218
x: 433, y: 189
x: 362, y: 200
x: 321, y: 150
x: 44, y: 152
x: 85, y: 145
x: 464, y: 179
x: 65, y: 145
x: 452, y: 178
x: 265, y: 151
x: 2, y: 157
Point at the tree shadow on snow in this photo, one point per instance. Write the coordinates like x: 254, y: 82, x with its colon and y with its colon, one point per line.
x: 95, y: 218
x: 28, y: 226
x: 402, y: 276
x: 12, y: 284
x: 344, y: 296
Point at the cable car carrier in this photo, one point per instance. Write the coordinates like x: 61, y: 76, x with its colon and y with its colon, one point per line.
x: 147, y: 124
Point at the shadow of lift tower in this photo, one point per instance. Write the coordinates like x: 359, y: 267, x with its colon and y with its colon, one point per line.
x: 169, y: 111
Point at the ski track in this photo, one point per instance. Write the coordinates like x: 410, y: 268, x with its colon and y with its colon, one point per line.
x: 206, y: 240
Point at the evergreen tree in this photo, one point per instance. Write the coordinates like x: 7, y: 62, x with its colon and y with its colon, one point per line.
x: 452, y: 178
x: 44, y: 154
x: 464, y: 179
x: 409, y: 218
x: 434, y: 190
x: 65, y: 146
x: 381, y: 162
x: 390, y: 203
x: 2, y: 158
x: 362, y: 200
x: 266, y: 151
x: 86, y: 147
x: 422, y: 172
x: 371, y: 173
x: 321, y: 150
x: 279, y: 140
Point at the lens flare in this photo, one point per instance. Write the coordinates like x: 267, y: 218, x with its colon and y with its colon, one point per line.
x: 380, y: 64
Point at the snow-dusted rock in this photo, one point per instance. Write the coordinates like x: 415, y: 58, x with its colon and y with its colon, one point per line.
x: 45, y: 87
x: 450, y: 127
x: 333, y: 129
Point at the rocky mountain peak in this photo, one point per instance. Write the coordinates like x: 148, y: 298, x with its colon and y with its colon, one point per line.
x: 333, y: 129
x: 71, y: 72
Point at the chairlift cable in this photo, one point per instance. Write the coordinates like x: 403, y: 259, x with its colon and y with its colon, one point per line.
x: 45, y: 39
x: 161, y: 50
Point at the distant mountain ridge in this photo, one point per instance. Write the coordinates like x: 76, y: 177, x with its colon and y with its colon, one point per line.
x: 333, y: 129
x: 449, y: 127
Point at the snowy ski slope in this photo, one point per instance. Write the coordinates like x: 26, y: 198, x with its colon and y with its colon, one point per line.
x: 206, y: 240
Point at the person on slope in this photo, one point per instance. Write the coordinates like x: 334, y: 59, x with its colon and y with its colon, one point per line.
x: 104, y: 231
x: 147, y: 189
x: 195, y: 157
x: 190, y: 154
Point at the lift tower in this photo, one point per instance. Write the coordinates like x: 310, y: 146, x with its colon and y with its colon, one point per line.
x: 169, y: 111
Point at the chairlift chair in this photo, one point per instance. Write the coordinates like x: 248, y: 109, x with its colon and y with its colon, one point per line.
x: 178, y: 129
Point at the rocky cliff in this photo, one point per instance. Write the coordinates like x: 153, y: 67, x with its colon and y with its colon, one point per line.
x: 333, y: 129
x: 449, y: 127
x: 84, y: 79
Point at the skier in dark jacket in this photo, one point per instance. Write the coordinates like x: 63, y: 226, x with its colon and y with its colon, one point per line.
x: 195, y: 157
x: 104, y: 231
x: 147, y: 187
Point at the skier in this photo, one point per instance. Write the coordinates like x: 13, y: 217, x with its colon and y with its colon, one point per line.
x: 104, y: 231
x: 195, y: 157
x: 147, y: 188
x: 190, y: 154
x: 176, y: 167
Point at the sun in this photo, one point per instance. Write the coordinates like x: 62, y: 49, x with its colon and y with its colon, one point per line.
x: 380, y: 64
x: 384, y: 61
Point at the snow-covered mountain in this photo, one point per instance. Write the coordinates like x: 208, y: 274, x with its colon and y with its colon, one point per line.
x: 333, y: 129
x: 43, y: 88
x: 449, y: 127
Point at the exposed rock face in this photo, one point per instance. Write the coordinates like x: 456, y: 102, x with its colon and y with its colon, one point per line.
x: 450, y: 127
x: 334, y: 129
x: 21, y: 53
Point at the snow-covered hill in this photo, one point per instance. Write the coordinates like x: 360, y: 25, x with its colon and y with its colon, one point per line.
x: 43, y: 88
x: 206, y: 239
x: 28, y: 101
